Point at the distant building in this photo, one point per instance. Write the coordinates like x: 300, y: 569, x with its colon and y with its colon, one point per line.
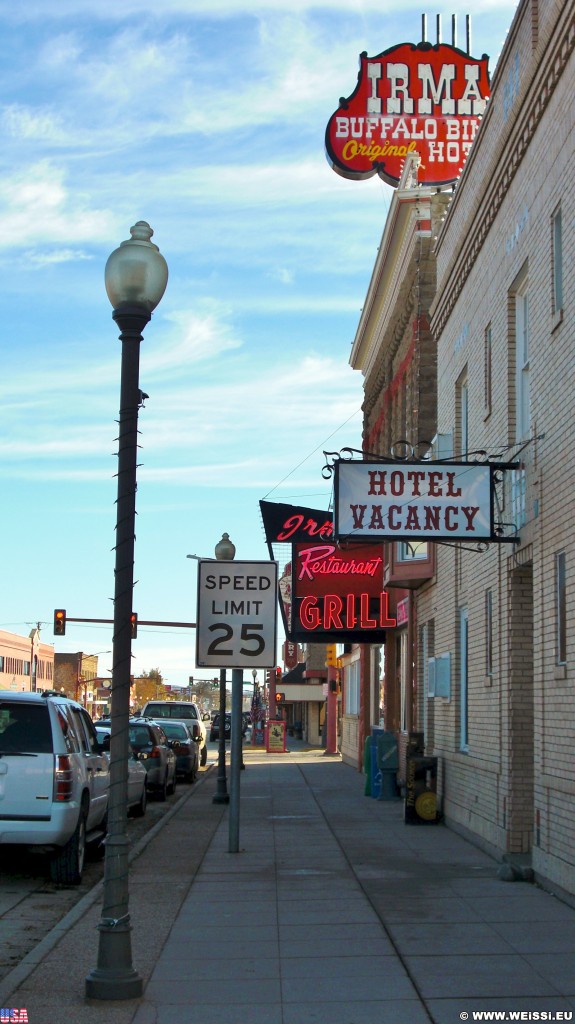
x: 25, y: 662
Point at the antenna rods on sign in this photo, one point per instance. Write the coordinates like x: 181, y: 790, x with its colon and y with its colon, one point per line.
x: 453, y: 30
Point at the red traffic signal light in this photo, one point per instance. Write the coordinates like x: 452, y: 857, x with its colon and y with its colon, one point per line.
x: 134, y: 625
x: 278, y: 673
x: 59, y: 622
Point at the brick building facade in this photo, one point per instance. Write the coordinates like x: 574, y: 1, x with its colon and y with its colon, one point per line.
x: 504, y: 325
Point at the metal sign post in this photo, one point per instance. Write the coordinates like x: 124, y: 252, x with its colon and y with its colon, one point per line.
x: 236, y: 628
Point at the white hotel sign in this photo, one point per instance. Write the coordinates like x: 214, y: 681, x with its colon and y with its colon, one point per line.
x: 413, y: 501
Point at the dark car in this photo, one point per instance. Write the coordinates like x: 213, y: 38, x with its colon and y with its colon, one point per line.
x: 186, y: 747
x: 151, y: 746
x: 215, y: 726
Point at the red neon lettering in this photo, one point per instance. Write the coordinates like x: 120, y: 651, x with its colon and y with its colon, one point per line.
x: 290, y: 527
x: 332, y: 608
x: 364, y: 620
x: 309, y: 613
x: 350, y: 615
x: 384, y: 617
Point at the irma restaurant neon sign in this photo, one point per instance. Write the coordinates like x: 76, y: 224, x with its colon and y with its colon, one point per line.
x: 338, y: 595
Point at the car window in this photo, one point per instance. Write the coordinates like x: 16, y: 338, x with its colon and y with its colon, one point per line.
x: 139, y: 736
x: 25, y: 727
x: 68, y: 727
x: 174, y: 730
x: 90, y: 732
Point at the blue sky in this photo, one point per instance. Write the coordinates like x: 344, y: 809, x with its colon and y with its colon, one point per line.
x: 207, y: 119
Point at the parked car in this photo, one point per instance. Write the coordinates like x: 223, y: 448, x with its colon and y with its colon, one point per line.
x: 137, y: 774
x: 182, y: 711
x: 54, y: 780
x: 151, y: 746
x: 215, y: 726
x: 184, y: 739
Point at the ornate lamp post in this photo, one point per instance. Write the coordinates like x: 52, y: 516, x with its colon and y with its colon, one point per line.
x: 136, y: 277
x: 224, y: 551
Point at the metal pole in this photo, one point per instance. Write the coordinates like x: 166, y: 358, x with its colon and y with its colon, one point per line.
x: 221, y: 795
x: 114, y: 977
x: 236, y: 760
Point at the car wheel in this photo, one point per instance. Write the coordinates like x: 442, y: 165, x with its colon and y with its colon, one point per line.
x: 140, y: 809
x: 203, y: 756
x: 67, y: 864
x: 97, y: 849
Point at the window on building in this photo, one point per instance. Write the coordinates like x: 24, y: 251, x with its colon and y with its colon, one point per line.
x: 462, y: 413
x: 463, y: 680
x: 557, y: 261
x: 560, y: 610
x: 522, y: 392
x: 409, y: 551
x: 488, y: 632
x: 352, y: 689
x: 487, y: 355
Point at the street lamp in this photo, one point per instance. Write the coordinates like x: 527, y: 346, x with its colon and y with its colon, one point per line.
x: 224, y: 551
x: 136, y: 276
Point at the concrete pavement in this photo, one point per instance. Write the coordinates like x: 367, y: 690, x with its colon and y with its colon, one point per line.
x: 333, y: 911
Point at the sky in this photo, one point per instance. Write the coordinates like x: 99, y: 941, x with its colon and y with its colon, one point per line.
x: 205, y: 118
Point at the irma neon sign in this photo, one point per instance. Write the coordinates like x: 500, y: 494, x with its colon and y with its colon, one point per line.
x: 288, y: 524
x: 409, y: 99
x: 337, y: 594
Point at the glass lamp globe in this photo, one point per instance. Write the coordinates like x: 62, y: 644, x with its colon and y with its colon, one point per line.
x: 136, y: 272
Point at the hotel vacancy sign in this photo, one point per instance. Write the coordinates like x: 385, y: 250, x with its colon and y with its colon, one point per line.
x: 236, y: 614
x: 414, y: 501
x: 420, y: 99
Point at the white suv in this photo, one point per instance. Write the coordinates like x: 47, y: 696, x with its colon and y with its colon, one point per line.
x: 182, y: 711
x: 54, y: 779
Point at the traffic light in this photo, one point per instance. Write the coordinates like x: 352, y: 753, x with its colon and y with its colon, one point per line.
x: 278, y: 674
x: 280, y: 697
x: 59, y: 622
x: 134, y: 625
x: 331, y: 656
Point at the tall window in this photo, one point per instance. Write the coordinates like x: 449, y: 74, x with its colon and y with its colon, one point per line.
x: 463, y: 680
x: 352, y: 689
x: 488, y: 633
x: 557, y: 260
x: 522, y: 396
x: 560, y: 610
x: 487, y: 369
x: 462, y: 411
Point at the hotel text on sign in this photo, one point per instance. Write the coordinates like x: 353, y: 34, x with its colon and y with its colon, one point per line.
x: 413, y: 501
x: 409, y: 99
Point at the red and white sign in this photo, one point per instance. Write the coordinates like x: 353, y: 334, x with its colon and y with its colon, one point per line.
x: 338, y: 593
x: 409, y: 99
x: 413, y: 501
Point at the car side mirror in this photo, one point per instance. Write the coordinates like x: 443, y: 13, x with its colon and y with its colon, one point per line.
x: 206, y: 717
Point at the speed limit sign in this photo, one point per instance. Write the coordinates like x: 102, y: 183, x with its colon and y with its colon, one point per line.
x: 236, y: 615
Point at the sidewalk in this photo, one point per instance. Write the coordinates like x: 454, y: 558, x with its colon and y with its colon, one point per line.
x: 334, y: 911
